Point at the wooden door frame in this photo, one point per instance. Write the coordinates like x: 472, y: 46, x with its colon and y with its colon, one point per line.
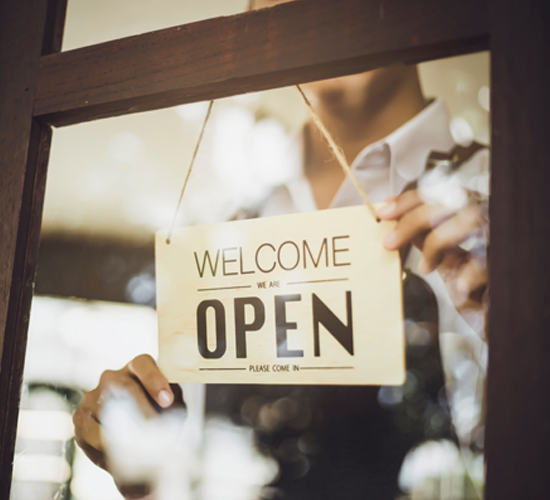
x: 42, y: 87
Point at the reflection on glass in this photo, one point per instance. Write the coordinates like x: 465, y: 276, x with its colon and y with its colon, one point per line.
x: 112, y: 184
x: 103, y: 20
x: 45, y: 447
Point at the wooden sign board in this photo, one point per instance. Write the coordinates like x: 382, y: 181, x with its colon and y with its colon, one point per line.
x: 309, y: 298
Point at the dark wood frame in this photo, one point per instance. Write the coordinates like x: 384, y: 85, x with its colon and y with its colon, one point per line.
x: 288, y: 44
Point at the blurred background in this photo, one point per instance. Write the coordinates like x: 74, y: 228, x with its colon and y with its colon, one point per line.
x: 111, y: 185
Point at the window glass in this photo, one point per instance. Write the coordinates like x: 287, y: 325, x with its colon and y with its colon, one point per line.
x: 88, y: 23
x: 112, y: 184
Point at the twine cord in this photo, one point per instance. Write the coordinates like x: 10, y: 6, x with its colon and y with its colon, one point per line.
x: 189, y: 171
x: 337, y: 152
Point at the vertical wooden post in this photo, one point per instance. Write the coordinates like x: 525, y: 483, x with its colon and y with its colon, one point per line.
x: 518, y: 423
x: 24, y: 146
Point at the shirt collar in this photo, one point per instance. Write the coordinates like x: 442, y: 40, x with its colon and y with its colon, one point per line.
x: 404, y: 152
x: 393, y: 161
x: 411, y: 144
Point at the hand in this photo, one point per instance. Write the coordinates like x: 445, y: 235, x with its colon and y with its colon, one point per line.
x: 142, y: 379
x: 438, y: 231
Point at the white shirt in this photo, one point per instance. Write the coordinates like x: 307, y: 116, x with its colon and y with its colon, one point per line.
x: 383, y: 168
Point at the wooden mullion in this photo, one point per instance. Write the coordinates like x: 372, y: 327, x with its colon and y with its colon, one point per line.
x: 518, y: 391
x: 24, y: 268
x: 27, y: 30
x: 284, y: 45
x: 53, y: 31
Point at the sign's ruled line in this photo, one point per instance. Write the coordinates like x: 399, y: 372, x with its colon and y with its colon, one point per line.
x: 326, y: 367
x: 315, y: 281
x: 220, y: 369
x: 223, y: 288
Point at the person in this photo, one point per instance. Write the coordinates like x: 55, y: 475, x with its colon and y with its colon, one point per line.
x: 387, y: 130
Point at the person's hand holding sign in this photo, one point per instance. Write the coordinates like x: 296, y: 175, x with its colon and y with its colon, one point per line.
x: 142, y: 380
x: 438, y: 230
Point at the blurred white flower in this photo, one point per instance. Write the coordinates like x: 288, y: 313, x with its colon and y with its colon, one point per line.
x: 164, y: 452
x: 462, y: 131
x: 437, y: 187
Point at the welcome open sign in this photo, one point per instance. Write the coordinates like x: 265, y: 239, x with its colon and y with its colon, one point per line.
x: 297, y: 299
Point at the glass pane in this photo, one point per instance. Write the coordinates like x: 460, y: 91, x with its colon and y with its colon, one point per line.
x: 113, y: 183
x: 88, y: 23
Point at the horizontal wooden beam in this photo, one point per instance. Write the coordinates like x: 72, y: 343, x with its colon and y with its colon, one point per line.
x: 291, y: 43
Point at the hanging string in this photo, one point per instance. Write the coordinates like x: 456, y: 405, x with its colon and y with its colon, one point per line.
x: 189, y: 171
x: 337, y: 152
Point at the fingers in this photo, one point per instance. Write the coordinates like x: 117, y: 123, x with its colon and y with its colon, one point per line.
x: 120, y: 384
x: 141, y: 379
x: 438, y: 231
x: 447, y: 236
x: 452, y: 263
x: 396, y: 206
x: 433, y: 228
x: 414, y: 224
x: 88, y: 429
x: 469, y: 284
x: 415, y: 219
x: 475, y: 277
x: 153, y: 381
